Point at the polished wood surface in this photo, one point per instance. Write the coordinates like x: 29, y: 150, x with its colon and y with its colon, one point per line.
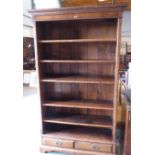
x: 77, y: 51
x: 93, y: 147
x: 58, y: 143
x: 77, y: 61
x: 71, y: 3
x: 78, y: 41
x: 79, y: 79
x: 116, y: 85
x: 82, y: 120
x: 47, y: 149
x: 81, y: 104
x: 81, y: 134
x: 78, y: 13
x: 127, y: 137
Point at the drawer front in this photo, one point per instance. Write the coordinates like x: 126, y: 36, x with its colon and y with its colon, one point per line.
x: 57, y: 142
x: 93, y: 147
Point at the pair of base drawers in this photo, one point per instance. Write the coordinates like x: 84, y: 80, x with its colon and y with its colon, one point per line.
x: 80, y: 145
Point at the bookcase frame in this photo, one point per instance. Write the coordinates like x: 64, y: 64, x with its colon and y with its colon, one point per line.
x: 77, y: 57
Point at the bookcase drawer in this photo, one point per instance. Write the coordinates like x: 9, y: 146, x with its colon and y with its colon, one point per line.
x: 58, y: 142
x: 93, y: 147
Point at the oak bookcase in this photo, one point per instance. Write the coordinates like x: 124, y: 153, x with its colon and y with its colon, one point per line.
x: 77, y: 55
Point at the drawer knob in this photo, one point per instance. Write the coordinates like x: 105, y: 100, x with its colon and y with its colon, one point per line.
x: 75, y: 16
x: 59, y: 143
x: 96, y: 147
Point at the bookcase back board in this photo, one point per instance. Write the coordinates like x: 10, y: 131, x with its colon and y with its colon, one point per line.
x: 77, y: 55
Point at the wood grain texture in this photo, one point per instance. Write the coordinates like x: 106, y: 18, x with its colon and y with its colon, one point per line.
x: 79, y: 79
x: 78, y: 41
x: 77, y: 13
x: 46, y: 149
x: 58, y: 142
x: 80, y: 104
x: 82, y: 120
x: 75, y: 3
x: 78, y: 58
x: 82, y: 134
x: 93, y: 147
x: 116, y: 86
x: 127, y: 137
x: 77, y: 61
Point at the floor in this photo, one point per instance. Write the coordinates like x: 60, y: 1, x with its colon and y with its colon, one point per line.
x: 32, y: 124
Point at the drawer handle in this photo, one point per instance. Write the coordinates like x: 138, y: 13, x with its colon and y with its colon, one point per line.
x: 75, y: 16
x: 96, y: 147
x: 59, y: 143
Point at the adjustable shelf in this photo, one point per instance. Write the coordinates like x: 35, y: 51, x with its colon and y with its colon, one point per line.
x: 78, y: 61
x: 82, y: 120
x: 78, y: 40
x: 79, y: 79
x: 100, y: 105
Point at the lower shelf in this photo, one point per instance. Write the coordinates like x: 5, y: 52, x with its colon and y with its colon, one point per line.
x: 46, y: 149
x: 82, y: 120
x: 82, y: 134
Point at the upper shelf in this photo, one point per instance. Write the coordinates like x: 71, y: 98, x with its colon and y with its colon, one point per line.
x: 77, y: 61
x: 78, y: 40
x: 79, y: 79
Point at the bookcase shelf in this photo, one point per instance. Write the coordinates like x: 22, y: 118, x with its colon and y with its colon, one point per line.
x: 77, y: 40
x: 82, y: 120
x: 78, y: 61
x: 79, y: 79
x: 77, y: 51
x: 100, y: 105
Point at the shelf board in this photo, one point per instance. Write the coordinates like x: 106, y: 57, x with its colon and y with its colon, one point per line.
x: 102, y: 105
x: 72, y: 151
x: 77, y: 61
x: 82, y: 120
x: 82, y: 134
x: 79, y: 79
x: 78, y: 40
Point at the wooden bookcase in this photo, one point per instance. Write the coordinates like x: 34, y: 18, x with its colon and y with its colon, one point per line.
x: 77, y: 52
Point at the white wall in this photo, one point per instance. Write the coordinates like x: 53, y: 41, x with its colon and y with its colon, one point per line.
x: 42, y: 4
x: 126, y: 24
x: 27, y: 20
x: 126, y: 30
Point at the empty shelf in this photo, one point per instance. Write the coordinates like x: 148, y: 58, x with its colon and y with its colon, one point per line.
x: 104, y: 105
x: 82, y: 120
x: 77, y: 61
x: 78, y: 40
x: 79, y: 79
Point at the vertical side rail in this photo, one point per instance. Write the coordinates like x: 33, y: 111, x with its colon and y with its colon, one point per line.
x: 37, y: 57
x: 116, y: 91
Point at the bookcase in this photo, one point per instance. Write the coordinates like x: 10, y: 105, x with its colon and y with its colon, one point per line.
x: 77, y: 55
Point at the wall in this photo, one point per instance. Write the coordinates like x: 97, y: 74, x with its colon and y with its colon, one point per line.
x: 126, y: 30
x: 27, y: 20
x: 39, y: 4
